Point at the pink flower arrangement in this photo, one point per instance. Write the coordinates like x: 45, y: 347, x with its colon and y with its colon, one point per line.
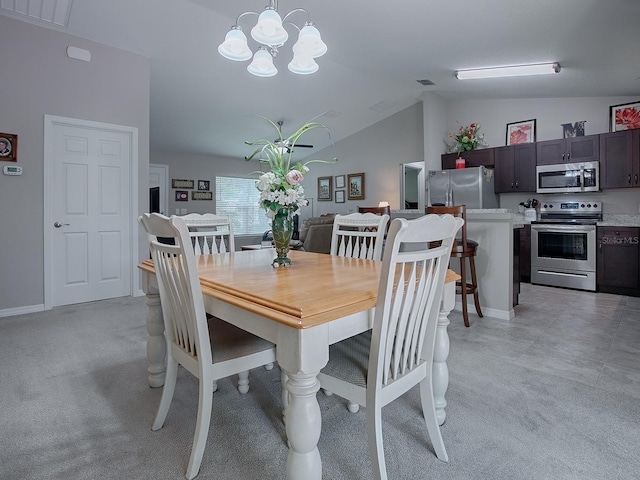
x: 467, y: 138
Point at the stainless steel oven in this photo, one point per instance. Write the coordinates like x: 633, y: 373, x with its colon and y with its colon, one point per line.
x: 563, y: 244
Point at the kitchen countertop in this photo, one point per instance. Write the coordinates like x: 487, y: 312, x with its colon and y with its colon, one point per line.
x: 619, y: 220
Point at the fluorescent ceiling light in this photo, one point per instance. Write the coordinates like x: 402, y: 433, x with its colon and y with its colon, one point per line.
x: 512, y: 71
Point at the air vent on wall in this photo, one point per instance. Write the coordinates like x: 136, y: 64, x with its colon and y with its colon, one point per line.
x: 425, y: 81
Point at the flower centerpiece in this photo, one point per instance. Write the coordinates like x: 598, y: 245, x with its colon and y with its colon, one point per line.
x: 281, y: 191
x: 467, y: 138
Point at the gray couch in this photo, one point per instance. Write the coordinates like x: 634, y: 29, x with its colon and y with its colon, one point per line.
x: 315, y: 234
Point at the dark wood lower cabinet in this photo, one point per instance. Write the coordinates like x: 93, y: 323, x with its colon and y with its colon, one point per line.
x: 618, y: 258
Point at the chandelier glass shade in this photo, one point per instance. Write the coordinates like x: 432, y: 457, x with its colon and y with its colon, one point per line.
x: 271, y: 34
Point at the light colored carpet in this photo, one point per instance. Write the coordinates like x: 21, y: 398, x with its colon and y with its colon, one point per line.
x: 75, y: 404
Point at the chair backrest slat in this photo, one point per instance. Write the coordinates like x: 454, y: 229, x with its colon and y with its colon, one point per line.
x: 410, y: 289
x: 210, y: 233
x: 359, y: 235
x: 180, y: 293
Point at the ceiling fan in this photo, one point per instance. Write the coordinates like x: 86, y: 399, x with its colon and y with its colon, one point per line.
x: 285, y: 143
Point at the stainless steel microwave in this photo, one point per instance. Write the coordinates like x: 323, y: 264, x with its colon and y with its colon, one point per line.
x: 568, y: 177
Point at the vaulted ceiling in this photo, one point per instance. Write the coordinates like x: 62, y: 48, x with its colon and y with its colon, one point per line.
x: 202, y: 102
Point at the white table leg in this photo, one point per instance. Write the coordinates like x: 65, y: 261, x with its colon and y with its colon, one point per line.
x: 156, y: 342
x: 303, y: 424
x: 303, y: 421
x: 440, y: 372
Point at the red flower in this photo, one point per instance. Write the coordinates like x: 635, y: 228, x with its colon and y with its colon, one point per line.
x: 627, y: 118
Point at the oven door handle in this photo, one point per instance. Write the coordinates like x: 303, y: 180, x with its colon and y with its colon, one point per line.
x: 563, y: 228
x: 582, y: 177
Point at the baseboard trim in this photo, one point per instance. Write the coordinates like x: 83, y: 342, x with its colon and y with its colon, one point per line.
x: 10, y: 312
x: 488, y: 312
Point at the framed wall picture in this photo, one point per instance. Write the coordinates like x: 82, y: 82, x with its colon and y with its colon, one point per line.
x: 182, y: 196
x: 521, y: 132
x: 339, y: 181
x: 203, y: 184
x: 324, y: 189
x: 178, y: 183
x: 355, y: 186
x: 201, y: 195
x: 340, y: 196
x: 621, y: 117
x: 8, y: 147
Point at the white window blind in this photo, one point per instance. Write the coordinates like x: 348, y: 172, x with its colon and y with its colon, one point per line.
x: 238, y: 198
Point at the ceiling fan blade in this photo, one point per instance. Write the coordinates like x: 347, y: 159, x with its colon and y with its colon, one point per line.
x: 303, y: 146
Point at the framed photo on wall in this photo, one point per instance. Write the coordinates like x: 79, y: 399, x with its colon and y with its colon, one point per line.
x: 621, y: 117
x: 182, y: 196
x: 8, y: 147
x: 521, y: 132
x: 203, y: 184
x: 339, y: 181
x: 340, y: 196
x: 324, y: 189
x: 355, y: 186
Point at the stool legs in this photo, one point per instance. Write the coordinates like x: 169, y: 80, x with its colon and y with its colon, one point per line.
x: 467, y: 288
x: 476, y: 298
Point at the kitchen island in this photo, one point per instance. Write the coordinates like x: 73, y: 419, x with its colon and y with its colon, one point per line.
x: 493, y: 229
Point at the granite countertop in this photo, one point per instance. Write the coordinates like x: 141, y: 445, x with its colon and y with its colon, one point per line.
x: 619, y: 220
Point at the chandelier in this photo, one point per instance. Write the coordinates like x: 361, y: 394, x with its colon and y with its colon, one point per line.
x: 270, y: 33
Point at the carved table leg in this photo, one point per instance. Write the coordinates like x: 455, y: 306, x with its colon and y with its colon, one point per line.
x: 440, y: 372
x: 303, y: 423
x: 156, y: 342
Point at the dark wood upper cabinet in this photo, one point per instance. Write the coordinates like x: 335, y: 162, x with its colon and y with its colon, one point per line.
x: 515, y: 168
x: 620, y: 159
x: 568, y: 150
x: 474, y: 158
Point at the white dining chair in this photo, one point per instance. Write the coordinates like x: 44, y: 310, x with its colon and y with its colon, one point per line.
x: 209, y: 349
x: 210, y: 233
x: 378, y: 366
x: 359, y: 235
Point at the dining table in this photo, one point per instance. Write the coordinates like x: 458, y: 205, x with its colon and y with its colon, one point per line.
x: 319, y: 300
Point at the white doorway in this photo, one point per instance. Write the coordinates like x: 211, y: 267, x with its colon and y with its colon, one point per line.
x: 159, y: 179
x: 91, y: 205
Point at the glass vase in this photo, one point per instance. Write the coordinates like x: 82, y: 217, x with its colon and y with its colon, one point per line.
x: 282, y: 228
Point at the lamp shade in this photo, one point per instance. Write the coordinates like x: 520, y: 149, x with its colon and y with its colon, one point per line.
x: 262, y: 64
x: 269, y: 29
x: 235, y: 46
x: 303, y: 65
x: 309, y: 42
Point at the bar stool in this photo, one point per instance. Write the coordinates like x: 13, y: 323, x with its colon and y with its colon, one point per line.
x: 463, y: 248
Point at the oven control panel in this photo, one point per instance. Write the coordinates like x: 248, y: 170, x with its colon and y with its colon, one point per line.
x: 572, y: 207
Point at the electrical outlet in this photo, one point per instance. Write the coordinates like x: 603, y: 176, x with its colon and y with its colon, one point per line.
x: 177, y: 211
x: 183, y: 211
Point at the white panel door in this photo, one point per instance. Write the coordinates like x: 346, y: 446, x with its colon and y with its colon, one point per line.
x: 91, y: 211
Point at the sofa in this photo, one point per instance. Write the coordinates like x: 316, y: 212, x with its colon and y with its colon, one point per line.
x: 315, y: 234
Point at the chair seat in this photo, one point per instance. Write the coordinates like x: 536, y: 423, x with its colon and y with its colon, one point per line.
x: 229, y: 341
x: 472, y: 246
x: 349, y: 359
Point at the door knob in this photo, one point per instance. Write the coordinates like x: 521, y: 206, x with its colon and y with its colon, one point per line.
x: 58, y: 224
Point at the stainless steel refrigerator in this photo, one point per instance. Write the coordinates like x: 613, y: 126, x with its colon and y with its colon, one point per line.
x: 473, y: 187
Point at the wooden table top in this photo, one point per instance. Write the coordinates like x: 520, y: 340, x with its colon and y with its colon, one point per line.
x: 317, y: 288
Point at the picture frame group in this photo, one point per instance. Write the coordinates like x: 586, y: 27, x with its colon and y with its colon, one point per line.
x: 521, y: 132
